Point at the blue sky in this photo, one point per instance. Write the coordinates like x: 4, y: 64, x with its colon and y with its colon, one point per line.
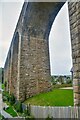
x: 59, y: 39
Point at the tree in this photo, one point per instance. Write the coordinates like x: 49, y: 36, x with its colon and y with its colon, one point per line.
x: 12, y: 99
x: 61, y: 80
x: 53, y: 80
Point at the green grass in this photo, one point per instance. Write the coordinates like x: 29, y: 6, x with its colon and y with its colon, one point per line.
x: 11, y: 111
x: 56, y: 97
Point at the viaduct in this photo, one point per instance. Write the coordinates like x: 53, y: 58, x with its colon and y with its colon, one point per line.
x: 27, y: 66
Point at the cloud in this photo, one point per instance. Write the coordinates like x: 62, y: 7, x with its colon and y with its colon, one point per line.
x: 60, y: 44
x: 10, y: 15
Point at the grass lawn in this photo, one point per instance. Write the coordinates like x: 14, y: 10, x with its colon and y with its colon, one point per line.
x: 56, y: 97
x: 11, y: 111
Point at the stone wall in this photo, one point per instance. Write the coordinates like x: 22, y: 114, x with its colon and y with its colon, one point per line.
x: 1, y: 75
x: 12, y: 63
x: 34, y: 75
x: 27, y: 67
x: 74, y: 16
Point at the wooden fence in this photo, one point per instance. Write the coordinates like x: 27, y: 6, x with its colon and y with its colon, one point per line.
x: 55, y: 112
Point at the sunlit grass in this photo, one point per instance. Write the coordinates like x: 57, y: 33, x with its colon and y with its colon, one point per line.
x: 56, y: 97
x: 11, y: 111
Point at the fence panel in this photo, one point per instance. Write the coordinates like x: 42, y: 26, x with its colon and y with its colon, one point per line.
x: 55, y: 112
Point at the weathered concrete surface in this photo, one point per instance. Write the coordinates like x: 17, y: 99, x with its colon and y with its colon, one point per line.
x: 27, y: 67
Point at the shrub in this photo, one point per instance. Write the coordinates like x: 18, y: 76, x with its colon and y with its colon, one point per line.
x: 62, y: 85
x: 12, y: 99
x: 18, y: 107
x: 48, y: 118
x: 53, y: 80
x: 28, y: 110
x: 2, y: 117
x: 5, y: 96
x: 69, y: 81
x: 5, y: 84
x: 25, y: 113
x: 4, y: 99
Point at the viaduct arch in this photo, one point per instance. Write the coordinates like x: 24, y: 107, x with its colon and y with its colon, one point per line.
x: 32, y: 66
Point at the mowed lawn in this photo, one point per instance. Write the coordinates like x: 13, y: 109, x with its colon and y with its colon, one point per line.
x: 11, y: 111
x: 56, y: 97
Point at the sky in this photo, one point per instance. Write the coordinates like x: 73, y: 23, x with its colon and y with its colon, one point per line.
x: 59, y: 38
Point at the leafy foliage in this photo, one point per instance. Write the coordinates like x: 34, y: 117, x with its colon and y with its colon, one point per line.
x: 53, y: 80
x: 48, y: 118
x: 61, y: 80
x: 5, y: 84
x: 6, y: 96
x: 1, y: 117
x: 12, y: 99
x: 18, y: 107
